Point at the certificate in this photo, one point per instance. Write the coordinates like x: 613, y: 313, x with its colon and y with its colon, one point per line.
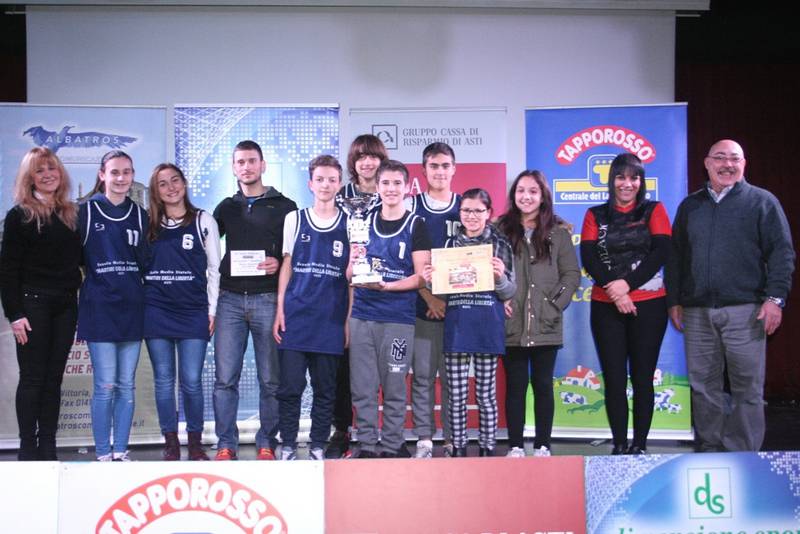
x: 245, y: 262
x: 462, y: 270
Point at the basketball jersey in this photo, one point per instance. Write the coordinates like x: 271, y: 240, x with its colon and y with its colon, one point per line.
x: 389, y: 255
x: 176, y: 286
x: 111, y: 302
x: 474, y: 323
x: 315, y: 304
x: 442, y: 224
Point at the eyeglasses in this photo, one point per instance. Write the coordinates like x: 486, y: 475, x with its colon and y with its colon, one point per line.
x: 466, y: 212
x: 723, y: 159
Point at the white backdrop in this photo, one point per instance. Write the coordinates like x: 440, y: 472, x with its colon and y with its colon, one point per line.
x: 358, y: 57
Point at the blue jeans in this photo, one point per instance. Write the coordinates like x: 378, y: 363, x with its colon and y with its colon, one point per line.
x: 191, y: 356
x: 237, y: 315
x: 322, y: 369
x: 114, y: 372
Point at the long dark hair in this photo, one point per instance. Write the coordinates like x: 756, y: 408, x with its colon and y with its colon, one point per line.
x: 510, y: 223
x: 157, y: 209
x: 631, y: 164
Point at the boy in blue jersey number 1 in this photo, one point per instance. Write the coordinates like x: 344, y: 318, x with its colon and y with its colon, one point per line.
x: 438, y: 206
x: 313, y: 297
x: 383, y: 316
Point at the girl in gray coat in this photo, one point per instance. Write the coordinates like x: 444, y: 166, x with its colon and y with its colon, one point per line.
x: 547, y: 274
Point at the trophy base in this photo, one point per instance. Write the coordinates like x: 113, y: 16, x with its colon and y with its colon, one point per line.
x: 368, y: 278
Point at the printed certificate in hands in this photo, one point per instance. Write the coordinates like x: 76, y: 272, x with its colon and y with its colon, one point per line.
x: 245, y: 262
x: 462, y: 270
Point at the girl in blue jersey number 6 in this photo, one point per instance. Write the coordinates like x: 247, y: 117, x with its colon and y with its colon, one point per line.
x: 180, y: 301
x: 111, y: 304
x: 474, y: 326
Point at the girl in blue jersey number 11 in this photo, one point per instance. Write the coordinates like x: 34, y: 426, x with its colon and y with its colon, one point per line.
x: 111, y: 304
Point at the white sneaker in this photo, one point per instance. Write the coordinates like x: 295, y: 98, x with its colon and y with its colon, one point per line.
x: 424, y: 449
x: 541, y: 452
x: 516, y: 452
x: 121, y: 457
x: 105, y: 457
x: 317, y: 453
x: 288, y: 453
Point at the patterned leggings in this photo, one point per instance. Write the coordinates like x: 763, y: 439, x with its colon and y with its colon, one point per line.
x: 457, y: 367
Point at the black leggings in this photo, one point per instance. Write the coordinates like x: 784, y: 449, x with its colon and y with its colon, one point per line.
x: 620, y: 339
x: 536, y: 364
x: 41, y: 369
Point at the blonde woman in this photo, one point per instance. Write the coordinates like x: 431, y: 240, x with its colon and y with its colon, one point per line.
x: 39, y: 278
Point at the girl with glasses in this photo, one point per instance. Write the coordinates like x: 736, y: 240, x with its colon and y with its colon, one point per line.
x: 474, y: 326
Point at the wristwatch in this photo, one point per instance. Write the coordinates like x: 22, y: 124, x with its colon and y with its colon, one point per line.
x: 779, y: 302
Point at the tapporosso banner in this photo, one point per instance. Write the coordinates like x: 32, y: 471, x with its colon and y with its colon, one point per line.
x: 154, y: 497
x: 574, y: 148
x: 290, y: 137
x: 79, y: 136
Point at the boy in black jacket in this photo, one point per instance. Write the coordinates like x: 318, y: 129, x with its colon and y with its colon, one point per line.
x: 252, y: 223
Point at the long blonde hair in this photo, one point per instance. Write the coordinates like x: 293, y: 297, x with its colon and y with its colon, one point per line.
x: 34, y: 208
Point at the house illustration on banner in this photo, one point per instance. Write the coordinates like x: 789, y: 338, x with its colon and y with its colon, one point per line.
x: 581, y: 376
x: 658, y: 378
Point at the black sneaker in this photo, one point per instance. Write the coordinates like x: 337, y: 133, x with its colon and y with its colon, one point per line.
x: 402, y: 452
x: 365, y: 454
x: 339, y: 446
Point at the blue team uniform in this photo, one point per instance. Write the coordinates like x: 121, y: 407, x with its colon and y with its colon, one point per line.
x: 474, y: 323
x: 442, y: 224
x: 390, y: 255
x: 315, y: 304
x: 176, y: 286
x: 111, y: 303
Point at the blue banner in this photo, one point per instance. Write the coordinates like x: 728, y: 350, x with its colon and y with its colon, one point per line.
x: 738, y: 493
x: 290, y: 137
x: 574, y: 148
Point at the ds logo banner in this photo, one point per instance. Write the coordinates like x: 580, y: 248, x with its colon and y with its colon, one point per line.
x: 709, y: 493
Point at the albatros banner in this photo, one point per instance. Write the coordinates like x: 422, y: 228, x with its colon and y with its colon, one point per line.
x: 79, y: 136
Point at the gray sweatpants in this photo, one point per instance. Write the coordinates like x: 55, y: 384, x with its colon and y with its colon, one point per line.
x: 714, y: 338
x: 428, y: 359
x: 380, y: 354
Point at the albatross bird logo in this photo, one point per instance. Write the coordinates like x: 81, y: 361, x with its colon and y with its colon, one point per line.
x: 66, y: 138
